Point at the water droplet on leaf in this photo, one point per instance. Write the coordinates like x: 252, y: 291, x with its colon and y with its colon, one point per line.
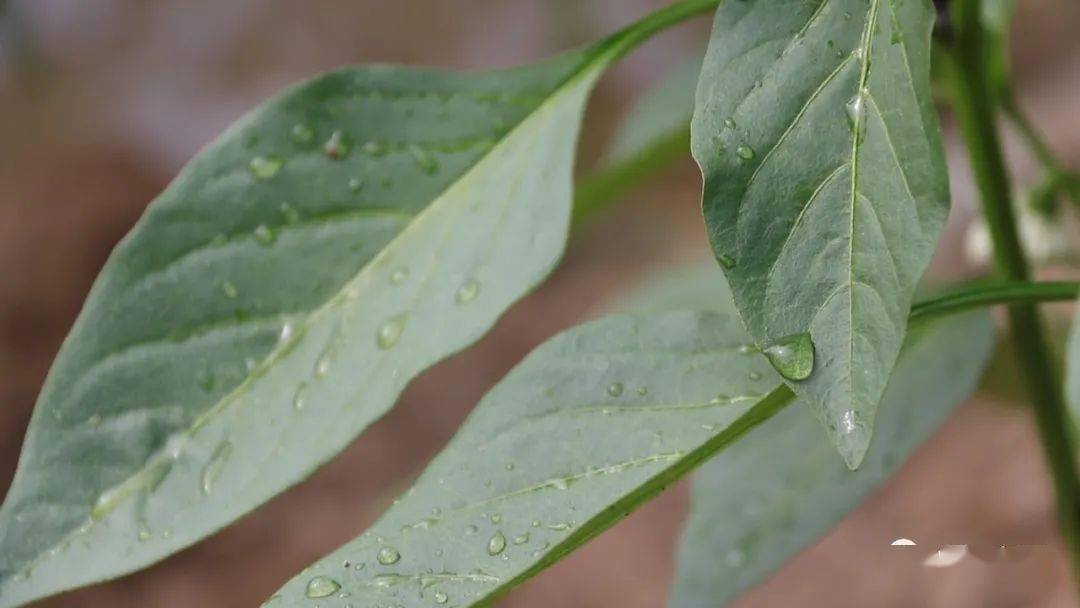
x: 336, y: 148
x: 230, y: 290
x: 390, y: 331
x: 213, y: 468
x: 615, y: 389
x: 496, y: 544
x: 321, y: 586
x: 302, y: 133
x: 387, y: 556
x: 440, y: 597
x: 467, y: 292
x: 745, y: 152
x: 264, y: 235
x: 792, y: 356
x: 265, y: 167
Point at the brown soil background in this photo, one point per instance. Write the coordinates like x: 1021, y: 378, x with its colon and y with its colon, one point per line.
x: 105, y: 100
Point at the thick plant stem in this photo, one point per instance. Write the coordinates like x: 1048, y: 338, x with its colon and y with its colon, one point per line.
x: 974, y: 109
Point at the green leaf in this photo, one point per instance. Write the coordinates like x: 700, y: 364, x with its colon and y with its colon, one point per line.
x: 780, y: 488
x: 279, y: 295
x: 588, y: 426
x: 825, y: 185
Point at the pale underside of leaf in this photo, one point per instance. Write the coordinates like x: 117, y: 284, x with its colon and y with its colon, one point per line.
x: 825, y: 186
x: 780, y: 488
x: 591, y: 424
x: 251, y: 326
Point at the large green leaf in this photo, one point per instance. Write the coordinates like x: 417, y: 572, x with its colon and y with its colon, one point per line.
x: 825, y: 187
x: 591, y: 424
x: 781, y: 487
x: 279, y: 295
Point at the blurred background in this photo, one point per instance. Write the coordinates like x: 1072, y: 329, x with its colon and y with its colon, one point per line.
x: 102, y: 102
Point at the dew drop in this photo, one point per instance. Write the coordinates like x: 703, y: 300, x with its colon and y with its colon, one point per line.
x: 302, y: 134
x: 213, y: 468
x: 855, y: 109
x: 745, y: 152
x: 729, y: 123
x: 424, y: 159
x: 265, y: 167
x: 725, y: 260
x: 496, y: 518
x: 496, y: 544
x: 642, y: 391
x: 471, y: 529
x: 399, y: 275
x: 390, y: 331
x: 336, y: 148
x: 521, y: 539
x: 615, y: 389
x: 387, y: 556
x: 321, y: 586
x: 230, y: 290
x: 299, y: 401
x: 509, y: 466
x: 144, y: 533
x: 792, y: 356
x: 355, y: 184
x: 94, y: 420
x: 264, y: 235
x: 441, y: 598
x: 286, y: 332
x: 755, y: 375
x: 467, y: 292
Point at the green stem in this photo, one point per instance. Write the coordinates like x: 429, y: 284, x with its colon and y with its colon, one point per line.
x: 974, y: 109
x: 988, y: 295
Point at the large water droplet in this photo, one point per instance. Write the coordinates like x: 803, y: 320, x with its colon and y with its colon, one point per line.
x: 745, y: 152
x: 441, y: 598
x: 337, y: 147
x: 615, y: 389
x: 321, y: 586
x: 213, y: 468
x: 424, y: 159
x: 390, y: 331
x: 467, y: 292
x: 496, y: 544
x: 792, y: 356
x: 265, y: 167
x: 388, y: 556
